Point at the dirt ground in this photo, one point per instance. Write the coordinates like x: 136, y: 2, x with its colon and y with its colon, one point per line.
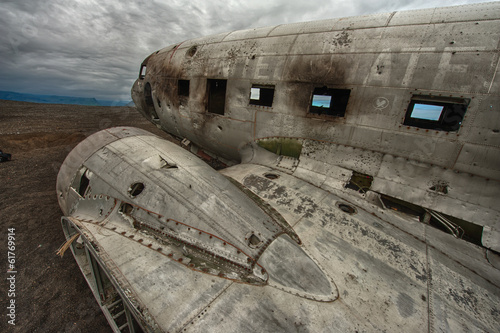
x: 51, y: 294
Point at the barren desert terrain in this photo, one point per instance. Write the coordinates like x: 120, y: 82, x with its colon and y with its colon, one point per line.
x: 51, y: 295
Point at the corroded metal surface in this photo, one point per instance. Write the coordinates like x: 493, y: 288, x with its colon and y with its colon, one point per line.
x: 354, y: 147
x: 385, y: 61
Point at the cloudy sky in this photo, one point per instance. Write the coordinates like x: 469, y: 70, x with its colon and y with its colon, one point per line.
x: 90, y: 48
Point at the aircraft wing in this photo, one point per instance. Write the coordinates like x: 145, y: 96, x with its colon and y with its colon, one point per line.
x: 322, y: 261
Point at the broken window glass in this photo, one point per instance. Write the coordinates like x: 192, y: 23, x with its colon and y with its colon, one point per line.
x: 330, y: 102
x: 426, y: 111
x: 142, y: 72
x: 262, y: 95
x: 84, y: 184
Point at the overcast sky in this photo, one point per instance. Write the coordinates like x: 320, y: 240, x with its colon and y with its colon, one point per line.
x: 89, y: 48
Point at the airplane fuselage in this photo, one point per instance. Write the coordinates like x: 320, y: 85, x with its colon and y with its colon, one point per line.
x: 409, y: 100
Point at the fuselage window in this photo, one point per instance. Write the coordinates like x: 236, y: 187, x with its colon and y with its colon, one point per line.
x: 262, y: 95
x: 216, y: 96
x: 438, y: 113
x: 330, y: 102
x: 183, y: 88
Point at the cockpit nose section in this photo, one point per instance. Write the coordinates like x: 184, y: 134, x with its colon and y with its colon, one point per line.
x: 292, y: 270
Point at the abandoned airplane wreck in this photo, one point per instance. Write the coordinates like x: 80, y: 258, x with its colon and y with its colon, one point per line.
x: 356, y: 182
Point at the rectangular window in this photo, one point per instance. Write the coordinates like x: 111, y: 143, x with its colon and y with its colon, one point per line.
x: 216, y: 96
x: 183, y: 88
x: 437, y: 113
x: 330, y: 102
x: 261, y: 95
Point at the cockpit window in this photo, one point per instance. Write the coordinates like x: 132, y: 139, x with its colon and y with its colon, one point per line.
x: 330, y: 102
x: 81, y: 182
x: 142, y: 73
x: 438, y: 113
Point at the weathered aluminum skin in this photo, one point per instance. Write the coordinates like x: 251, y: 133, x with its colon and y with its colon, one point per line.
x: 327, y: 257
x: 368, y: 269
x: 384, y: 60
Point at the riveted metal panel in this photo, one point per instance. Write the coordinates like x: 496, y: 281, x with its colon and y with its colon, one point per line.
x: 77, y: 157
x: 484, y: 127
x: 463, y: 187
x: 247, y: 34
x: 205, y: 40
x: 282, y: 125
x: 397, y: 39
x: 495, y: 83
x: 479, y: 12
x: 479, y: 160
x: 348, y: 157
x: 462, y: 36
x: 348, y: 23
x: 327, y: 69
x: 414, y: 17
x: 363, y: 22
x: 376, y: 107
x: 248, y: 47
x: 423, y: 148
x: 317, y: 26
x: 365, y: 137
x: 159, y: 282
x: 287, y: 126
x: 291, y: 29
x: 460, y: 303
x: 346, y: 41
x: 458, y: 72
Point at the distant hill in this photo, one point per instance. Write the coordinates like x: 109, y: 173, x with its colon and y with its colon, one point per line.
x: 114, y: 103
x: 52, y: 99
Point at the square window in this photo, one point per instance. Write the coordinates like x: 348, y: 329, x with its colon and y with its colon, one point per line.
x: 262, y: 95
x: 329, y: 102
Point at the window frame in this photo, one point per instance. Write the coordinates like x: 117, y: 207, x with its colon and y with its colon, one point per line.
x: 450, y: 119
x: 266, y: 95
x: 339, y: 100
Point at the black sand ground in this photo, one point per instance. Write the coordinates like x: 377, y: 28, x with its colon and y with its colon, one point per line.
x: 51, y: 294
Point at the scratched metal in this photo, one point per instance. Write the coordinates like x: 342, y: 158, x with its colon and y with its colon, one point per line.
x: 283, y: 243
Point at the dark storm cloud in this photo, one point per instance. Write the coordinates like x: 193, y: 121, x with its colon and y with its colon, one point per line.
x: 93, y: 49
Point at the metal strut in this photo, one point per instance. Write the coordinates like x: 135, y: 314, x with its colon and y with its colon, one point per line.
x: 452, y: 227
